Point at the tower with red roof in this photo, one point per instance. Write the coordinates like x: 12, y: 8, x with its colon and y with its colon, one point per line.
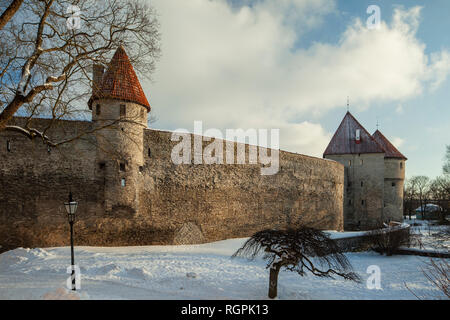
x: 374, y: 175
x: 119, y: 110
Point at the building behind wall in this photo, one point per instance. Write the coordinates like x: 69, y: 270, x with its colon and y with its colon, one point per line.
x: 374, y: 175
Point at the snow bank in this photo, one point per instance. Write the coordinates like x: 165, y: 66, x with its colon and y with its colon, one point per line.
x: 192, y: 272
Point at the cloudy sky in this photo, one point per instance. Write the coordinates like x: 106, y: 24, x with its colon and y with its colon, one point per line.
x: 290, y: 64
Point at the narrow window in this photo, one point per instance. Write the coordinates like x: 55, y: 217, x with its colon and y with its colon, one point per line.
x: 350, y: 202
x: 362, y: 183
x: 349, y: 163
x: 101, y: 165
x: 97, y: 110
x: 142, y: 113
x: 122, y: 166
x: 393, y: 184
x: 123, y: 182
x: 361, y: 161
x: 123, y: 110
x: 149, y: 152
x: 401, y: 165
x: 8, y: 145
x: 362, y: 202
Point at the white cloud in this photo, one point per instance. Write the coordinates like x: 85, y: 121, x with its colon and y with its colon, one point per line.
x: 397, y: 142
x: 238, y: 67
x: 399, y: 108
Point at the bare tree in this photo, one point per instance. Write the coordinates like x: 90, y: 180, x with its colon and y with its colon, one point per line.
x: 9, y: 12
x: 298, y: 250
x: 421, y: 184
x: 409, y: 195
x: 446, y: 167
x: 436, y: 271
x: 440, y: 191
x: 48, y: 47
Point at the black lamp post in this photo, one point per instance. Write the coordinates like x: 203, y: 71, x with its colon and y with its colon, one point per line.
x: 71, y: 208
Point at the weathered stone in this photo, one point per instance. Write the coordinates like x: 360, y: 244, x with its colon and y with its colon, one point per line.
x: 224, y: 201
x: 189, y: 233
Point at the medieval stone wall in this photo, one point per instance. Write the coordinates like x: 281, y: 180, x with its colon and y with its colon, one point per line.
x: 184, y: 203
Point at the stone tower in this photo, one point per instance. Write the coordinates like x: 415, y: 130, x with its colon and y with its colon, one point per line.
x: 119, y: 110
x: 394, y: 178
x: 374, y: 174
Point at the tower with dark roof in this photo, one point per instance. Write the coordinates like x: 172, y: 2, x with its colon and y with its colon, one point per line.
x: 394, y: 178
x: 119, y: 109
x: 374, y: 175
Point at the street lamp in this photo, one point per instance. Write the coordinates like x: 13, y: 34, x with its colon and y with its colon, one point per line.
x: 71, y: 208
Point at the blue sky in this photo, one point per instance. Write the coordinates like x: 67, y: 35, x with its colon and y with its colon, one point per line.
x: 424, y: 123
x: 290, y: 64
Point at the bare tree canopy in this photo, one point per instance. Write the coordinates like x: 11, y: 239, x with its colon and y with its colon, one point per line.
x: 48, y: 47
x: 9, y: 11
x: 446, y: 167
x: 300, y: 250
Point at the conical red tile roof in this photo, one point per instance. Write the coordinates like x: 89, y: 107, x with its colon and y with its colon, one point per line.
x: 344, y: 139
x: 120, y: 82
x: 390, y: 150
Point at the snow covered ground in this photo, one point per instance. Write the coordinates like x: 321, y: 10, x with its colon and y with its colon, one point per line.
x: 432, y: 237
x: 193, y: 272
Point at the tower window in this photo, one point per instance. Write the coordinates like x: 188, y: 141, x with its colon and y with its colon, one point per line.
x: 149, y: 152
x: 350, y: 202
x: 401, y: 165
x: 122, y: 166
x: 362, y: 202
x: 97, y: 110
x: 123, y: 110
x: 142, y: 113
x: 393, y: 184
x: 102, y: 165
x: 123, y: 182
x: 8, y: 145
x: 362, y: 183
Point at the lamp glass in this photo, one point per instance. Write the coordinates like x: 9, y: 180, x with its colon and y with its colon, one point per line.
x: 71, y: 208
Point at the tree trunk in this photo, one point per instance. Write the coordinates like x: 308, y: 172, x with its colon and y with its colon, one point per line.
x: 9, y: 12
x: 273, y: 281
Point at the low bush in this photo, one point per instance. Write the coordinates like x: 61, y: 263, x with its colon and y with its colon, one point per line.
x: 389, y: 240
